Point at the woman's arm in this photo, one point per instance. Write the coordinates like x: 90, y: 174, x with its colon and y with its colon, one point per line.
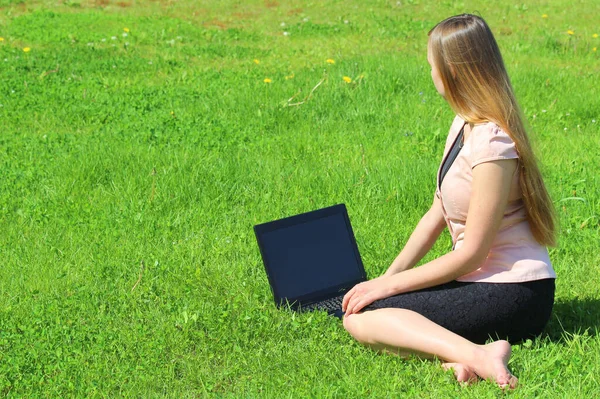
x: 489, y: 197
x: 421, y: 240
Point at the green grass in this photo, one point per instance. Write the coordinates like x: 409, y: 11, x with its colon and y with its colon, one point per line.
x: 164, y: 147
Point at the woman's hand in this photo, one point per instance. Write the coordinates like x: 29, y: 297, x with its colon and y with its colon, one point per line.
x: 366, y: 293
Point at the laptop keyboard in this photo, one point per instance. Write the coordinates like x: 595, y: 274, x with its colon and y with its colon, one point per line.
x: 330, y: 305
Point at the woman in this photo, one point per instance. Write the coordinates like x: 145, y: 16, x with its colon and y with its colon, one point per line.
x: 497, y: 281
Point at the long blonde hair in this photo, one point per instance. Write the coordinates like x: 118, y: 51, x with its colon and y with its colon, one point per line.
x: 478, y: 89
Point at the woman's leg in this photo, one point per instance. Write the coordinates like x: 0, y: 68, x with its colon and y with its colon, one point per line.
x: 433, y: 322
x: 404, y: 331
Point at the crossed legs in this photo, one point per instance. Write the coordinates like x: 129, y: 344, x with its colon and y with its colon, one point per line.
x: 403, y: 332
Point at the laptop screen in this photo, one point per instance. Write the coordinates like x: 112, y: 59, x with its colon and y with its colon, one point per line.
x: 309, y: 253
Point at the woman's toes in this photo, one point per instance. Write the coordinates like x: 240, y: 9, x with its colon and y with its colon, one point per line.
x: 511, y: 384
x: 461, y: 372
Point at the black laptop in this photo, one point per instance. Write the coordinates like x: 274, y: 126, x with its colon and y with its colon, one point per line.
x: 311, y: 259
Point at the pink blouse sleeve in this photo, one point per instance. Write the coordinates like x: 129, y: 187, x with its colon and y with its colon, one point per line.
x: 491, y: 143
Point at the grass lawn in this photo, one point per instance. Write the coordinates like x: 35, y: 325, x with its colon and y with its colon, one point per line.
x: 141, y: 140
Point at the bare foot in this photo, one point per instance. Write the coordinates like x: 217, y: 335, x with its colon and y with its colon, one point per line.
x: 462, y: 372
x: 493, y: 364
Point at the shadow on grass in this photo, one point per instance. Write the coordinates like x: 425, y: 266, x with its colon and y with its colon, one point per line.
x: 574, y: 317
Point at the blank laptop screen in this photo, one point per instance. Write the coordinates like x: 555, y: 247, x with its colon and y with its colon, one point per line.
x: 311, y: 256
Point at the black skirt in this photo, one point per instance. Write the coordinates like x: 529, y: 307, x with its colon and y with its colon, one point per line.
x: 480, y: 311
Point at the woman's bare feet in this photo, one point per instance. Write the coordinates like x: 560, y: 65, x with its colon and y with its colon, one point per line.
x: 461, y: 372
x: 493, y: 364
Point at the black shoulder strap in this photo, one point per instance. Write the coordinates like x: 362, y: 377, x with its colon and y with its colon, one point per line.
x: 452, y: 154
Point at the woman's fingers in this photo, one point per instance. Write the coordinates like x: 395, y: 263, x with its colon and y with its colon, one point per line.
x: 357, y: 298
x: 363, y: 294
x: 350, y: 306
x: 356, y: 303
x: 353, y: 291
x: 356, y: 308
x: 347, y: 298
x: 350, y: 299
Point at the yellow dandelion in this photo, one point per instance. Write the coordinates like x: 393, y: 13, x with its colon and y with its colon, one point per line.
x: 570, y: 32
x: 256, y: 61
x: 1, y: 39
x: 26, y: 49
x: 347, y: 79
x: 289, y: 77
x: 545, y: 16
x: 330, y: 61
x: 267, y: 80
x: 172, y: 113
x: 595, y: 36
x: 594, y: 49
x: 126, y: 30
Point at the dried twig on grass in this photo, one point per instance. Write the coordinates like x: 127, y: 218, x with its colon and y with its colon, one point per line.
x: 140, y: 276
x: 51, y: 71
x: 289, y: 104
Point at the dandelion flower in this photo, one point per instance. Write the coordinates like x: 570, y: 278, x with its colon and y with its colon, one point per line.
x: 286, y: 33
x: 26, y: 49
x: 267, y: 80
x: 545, y: 16
x: 1, y: 39
x: 126, y: 30
x: 256, y: 61
x: 330, y: 61
x: 594, y: 49
x: 124, y: 34
x: 595, y: 36
x: 347, y: 79
x: 570, y: 32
